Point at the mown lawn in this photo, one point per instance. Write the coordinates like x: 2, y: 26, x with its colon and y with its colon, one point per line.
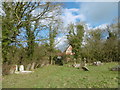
x: 65, y: 77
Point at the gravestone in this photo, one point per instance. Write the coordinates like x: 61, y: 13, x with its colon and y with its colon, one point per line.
x: 97, y: 63
x: 76, y: 65
x: 33, y: 66
x: 42, y: 65
x: 21, y: 68
x: 16, y: 67
x: 85, y: 68
x: 38, y: 65
x: 28, y: 67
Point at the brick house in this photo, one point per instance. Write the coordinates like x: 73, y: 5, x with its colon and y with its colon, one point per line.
x: 68, y: 50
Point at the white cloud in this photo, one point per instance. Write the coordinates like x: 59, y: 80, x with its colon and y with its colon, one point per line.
x: 68, y: 16
x: 89, y: 27
x: 102, y: 26
x: 73, y: 9
x: 99, y: 12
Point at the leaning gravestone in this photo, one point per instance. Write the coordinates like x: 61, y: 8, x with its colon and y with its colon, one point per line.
x: 33, y: 66
x: 42, y: 65
x: 85, y: 68
x: 38, y: 65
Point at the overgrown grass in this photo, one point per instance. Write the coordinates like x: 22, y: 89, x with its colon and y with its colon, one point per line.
x: 65, y: 77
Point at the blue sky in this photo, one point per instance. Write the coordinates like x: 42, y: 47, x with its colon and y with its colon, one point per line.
x: 71, y: 5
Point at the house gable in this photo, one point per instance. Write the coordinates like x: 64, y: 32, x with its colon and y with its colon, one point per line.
x: 68, y: 51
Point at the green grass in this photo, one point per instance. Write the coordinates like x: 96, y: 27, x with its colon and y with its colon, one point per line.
x: 65, y: 77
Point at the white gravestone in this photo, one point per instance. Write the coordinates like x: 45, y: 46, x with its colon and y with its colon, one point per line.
x: 21, y: 68
x: 16, y: 68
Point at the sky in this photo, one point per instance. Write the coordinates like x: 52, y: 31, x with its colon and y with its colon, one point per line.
x: 93, y: 13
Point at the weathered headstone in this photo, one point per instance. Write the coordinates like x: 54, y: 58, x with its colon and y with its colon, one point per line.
x: 33, y: 66
x: 28, y: 67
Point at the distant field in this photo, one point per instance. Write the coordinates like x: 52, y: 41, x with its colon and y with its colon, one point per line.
x: 65, y: 77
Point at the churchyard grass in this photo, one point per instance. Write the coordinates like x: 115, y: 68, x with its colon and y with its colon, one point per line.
x: 54, y: 76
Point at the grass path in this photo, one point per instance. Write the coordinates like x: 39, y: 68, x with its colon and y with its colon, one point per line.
x: 65, y: 77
